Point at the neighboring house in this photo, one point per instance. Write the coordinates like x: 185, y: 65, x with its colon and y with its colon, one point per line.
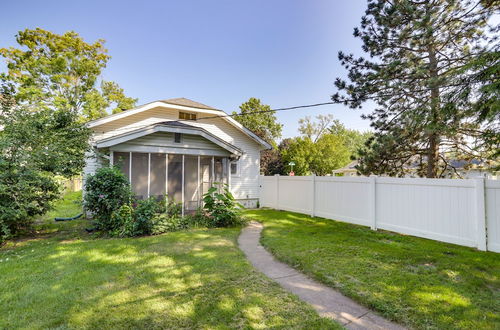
x: 178, y: 148
x: 462, y: 169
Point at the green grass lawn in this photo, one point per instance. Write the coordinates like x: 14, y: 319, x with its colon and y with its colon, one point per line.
x: 417, y: 282
x: 190, y: 279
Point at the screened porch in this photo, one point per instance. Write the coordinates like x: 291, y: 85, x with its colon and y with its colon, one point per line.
x: 183, y: 178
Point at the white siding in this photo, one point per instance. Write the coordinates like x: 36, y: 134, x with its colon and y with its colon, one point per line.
x: 166, y: 139
x: 244, y: 186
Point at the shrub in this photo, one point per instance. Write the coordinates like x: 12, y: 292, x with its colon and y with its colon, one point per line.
x: 200, y: 219
x: 170, y: 207
x: 162, y: 223
x: 24, y: 194
x: 169, y: 218
x: 221, y: 208
x: 144, y: 212
x: 123, y: 220
x: 105, y: 192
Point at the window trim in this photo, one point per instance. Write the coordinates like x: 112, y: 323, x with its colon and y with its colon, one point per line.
x: 238, y: 171
x: 180, y: 137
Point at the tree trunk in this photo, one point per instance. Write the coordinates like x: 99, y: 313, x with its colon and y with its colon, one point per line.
x: 434, y: 138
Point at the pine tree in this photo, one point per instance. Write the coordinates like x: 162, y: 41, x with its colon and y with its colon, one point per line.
x: 418, y: 74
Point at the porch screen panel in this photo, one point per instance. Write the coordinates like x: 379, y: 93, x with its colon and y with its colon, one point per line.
x: 219, y: 174
x: 157, y: 183
x: 122, y: 160
x: 205, y: 173
x: 140, y: 175
x: 190, y: 183
x: 175, y: 178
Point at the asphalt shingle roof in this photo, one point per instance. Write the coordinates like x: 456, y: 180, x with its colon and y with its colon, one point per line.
x: 188, y: 103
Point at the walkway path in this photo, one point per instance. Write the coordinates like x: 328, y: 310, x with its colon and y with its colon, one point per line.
x: 327, y: 302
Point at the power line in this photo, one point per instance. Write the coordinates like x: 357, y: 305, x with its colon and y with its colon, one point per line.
x: 265, y: 111
x: 236, y: 115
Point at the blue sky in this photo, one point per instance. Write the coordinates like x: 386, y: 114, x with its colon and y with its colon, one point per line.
x: 216, y: 52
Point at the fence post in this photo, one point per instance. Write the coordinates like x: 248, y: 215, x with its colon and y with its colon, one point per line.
x: 480, y: 214
x: 313, y: 195
x: 373, y: 202
x: 277, y: 176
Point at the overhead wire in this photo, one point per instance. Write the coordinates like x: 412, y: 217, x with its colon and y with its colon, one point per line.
x: 240, y: 114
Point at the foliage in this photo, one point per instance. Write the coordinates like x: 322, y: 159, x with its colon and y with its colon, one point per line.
x: 24, y: 193
x: 271, y: 161
x: 163, y: 223
x: 52, y: 71
x: 170, y: 207
x: 418, y: 71
x: 200, y: 219
x: 354, y: 140
x: 123, y: 222
x: 315, y: 129
x: 221, y: 208
x: 258, y: 118
x: 105, y: 192
x: 321, y: 157
x: 420, y: 283
x: 34, y: 148
x: 144, y: 213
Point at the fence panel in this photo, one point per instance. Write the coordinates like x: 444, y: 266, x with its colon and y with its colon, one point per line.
x: 465, y: 212
x: 492, y: 200
x: 295, y: 193
x: 345, y: 199
x: 437, y: 209
x: 268, y: 191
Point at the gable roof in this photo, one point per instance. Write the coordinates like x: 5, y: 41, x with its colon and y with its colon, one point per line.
x: 171, y: 127
x: 188, y: 103
x: 151, y: 105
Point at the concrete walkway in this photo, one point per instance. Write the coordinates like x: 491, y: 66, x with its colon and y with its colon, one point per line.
x: 327, y: 302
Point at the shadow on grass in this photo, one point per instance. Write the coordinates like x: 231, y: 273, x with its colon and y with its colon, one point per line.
x: 187, y: 279
x: 417, y: 282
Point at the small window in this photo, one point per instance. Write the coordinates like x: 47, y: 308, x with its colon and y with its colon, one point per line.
x: 187, y: 116
x: 177, y: 137
x: 234, y: 168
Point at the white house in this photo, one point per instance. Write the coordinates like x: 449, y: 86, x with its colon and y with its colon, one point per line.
x: 178, y: 147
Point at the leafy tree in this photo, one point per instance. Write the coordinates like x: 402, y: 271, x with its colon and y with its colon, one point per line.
x: 418, y: 73
x: 34, y: 147
x: 273, y: 159
x: 315, y: 129
x: 354, y: 140
x: 259, y: 118
x: 61, y: 72
x: 321, y: 157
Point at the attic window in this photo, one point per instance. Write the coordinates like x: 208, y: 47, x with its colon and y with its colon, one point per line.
x: 177, y: 137
x: 187, y: 116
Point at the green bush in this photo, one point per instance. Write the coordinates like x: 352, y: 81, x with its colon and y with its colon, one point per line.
x: 200, y: 219
x: 24, y: 194
x: 144, y: 212
x: 170, y: 207
x: 105, y: 192
x: 162, y: 223
x: 124, y: 222
x: 221, y: 208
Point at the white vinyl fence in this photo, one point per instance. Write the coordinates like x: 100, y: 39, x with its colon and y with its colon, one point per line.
x: 465, y: 212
